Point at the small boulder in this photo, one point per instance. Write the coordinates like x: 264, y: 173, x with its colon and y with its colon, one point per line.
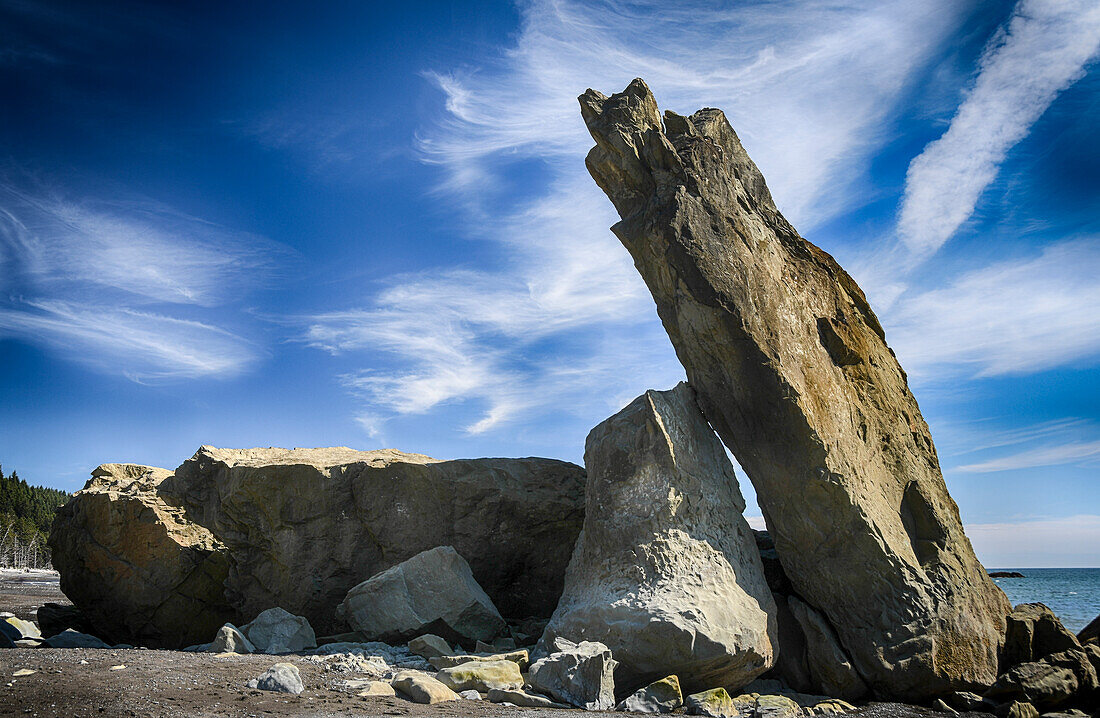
x: 422, y: 688
x: 776, y: 706
x: 969, y: 702
x: 715, y: 703
x: 661, y: 696
x: 429, y: 646
x: 523, y: 699
x: 53, y: 618
x: 1017, y: 709
x: 377, y: 689
x: 71, y: 639
x: 1078, y: 662
x: 521, y: 658
x: 580, y: 674
x: 1042, y: 684
x: 432, y: 592
x: 229, y: 639
x: 279, y: 631
x: 482, y: 676
x: 1033, y: 632
x: 26, y: 629
x: 281, y: 678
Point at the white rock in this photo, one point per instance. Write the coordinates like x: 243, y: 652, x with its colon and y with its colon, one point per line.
x: 281, y: 678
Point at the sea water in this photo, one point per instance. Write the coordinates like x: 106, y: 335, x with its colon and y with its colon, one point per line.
x: 1072, y: 593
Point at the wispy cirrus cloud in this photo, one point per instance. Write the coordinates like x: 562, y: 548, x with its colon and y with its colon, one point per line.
x: 102, y: 283
x: 1012, y: 317
x: 1043, y: 50
x: 566, y: 319
x: 1078, y: 452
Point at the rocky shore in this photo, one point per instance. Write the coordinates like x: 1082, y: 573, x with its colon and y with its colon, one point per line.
x: 335, y: 581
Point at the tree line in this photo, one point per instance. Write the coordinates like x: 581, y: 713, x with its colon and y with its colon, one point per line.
x: 26, y: 514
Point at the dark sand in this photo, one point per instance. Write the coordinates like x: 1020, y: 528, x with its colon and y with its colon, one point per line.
x: 79, y: 683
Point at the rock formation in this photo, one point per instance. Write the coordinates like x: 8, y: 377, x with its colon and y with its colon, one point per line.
x: 666, y: 572
x: 140, y: 571
x: 432, y: 592
x: 793, y: 371
x: 165, y: 559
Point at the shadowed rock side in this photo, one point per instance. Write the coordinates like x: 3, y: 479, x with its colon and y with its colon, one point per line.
x: 666, y: 572
x: 137, y: 568
x: 793, y: 371
x: 305, y: 525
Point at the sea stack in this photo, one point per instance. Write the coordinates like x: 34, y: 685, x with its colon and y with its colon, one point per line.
x: 792, y: 370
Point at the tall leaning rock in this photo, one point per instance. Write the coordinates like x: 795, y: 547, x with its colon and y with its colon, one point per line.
x: 666, y: 572
x: 793, y: 371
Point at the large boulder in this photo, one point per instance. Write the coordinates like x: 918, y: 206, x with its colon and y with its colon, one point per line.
x: 276, y: 630
x: 793, y: 372
x: 305, y: 525
x: 432, y: 592
x: 666, y: 572
x: 1034, y: 632
x: 134, y: 563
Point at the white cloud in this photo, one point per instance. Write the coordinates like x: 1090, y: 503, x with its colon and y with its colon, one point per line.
x: 141, y: 345
x: 1077, y: 452
x: 1042, y: 51
x: 1072, y: 541
x: 1012, y: 317
x: 91, y: 280
x: 566, y: 321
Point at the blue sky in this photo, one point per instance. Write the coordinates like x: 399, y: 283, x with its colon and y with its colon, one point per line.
x: 292, y: 224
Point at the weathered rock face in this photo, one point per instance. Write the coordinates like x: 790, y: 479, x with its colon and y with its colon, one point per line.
x: 432, y: 592
x: 305, y: 525
x: 793, y: 371
x: 666, y: 572
x: 1033, y: 632
x: 140, y: 571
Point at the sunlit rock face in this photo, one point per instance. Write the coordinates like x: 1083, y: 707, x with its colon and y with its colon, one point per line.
x: 793, y: 372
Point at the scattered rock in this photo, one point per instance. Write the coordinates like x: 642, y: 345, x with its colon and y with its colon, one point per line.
x: 29, y: 643
x: 661, y: 696
x: 580, y: 674
x: 829, y: 665
x: 278, y: 631
x: 306, y: 525
x: 792, y: 370
x: 966, y: 701
x: 422, y: 688
x: 230, y: 639
x: 1017, y: 709
x: 53, y: 618
x: 119, y: 667
x: 518, y: 697
x: 829, y: 707
x: 24, y: 629
x: 430, y: 646
x: 776, y: 706
x: 281, y: 678
x: 520, y: 658
x: 377, y: 689
x: 71, y: 639
x: 23, y: 672
x: 1032, y: 632
x: 713, y: 703
x: 666, y: 572
x: 482, y: 676
x: 432, y: 592
x: 941, y: 706
x: 139, y: 568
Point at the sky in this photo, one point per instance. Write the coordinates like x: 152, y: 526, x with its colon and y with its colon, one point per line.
x: 370, y: 225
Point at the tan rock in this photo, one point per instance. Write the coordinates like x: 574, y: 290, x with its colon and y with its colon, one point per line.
x: 377, y: 689
x: 422, y: 688
x: 482, y: 676
x: 136, y: 563
x: 793, y: 372
x: 520, y: 658
x: 666, y: 572
x: 1034, y: 632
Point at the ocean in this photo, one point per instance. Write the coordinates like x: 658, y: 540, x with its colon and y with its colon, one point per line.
x: 1072, y: 593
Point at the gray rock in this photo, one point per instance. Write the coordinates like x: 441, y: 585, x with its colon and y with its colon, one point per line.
x: 792, y: 370
x: 1033, y: 632
x: 71, y: 639
x: 281, y: 678
x: 523, y: 699
x: 666, y: 572
x: 432, y: 592
x: 661, y: 696
x: 230, y: 639
x: 582, y: 675
x: 829, y: 665
x: 430, y: 646
x: 279, y: 631
x: 306, y: 525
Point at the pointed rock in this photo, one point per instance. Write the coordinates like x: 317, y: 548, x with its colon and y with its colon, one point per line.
x: 792, y: 369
